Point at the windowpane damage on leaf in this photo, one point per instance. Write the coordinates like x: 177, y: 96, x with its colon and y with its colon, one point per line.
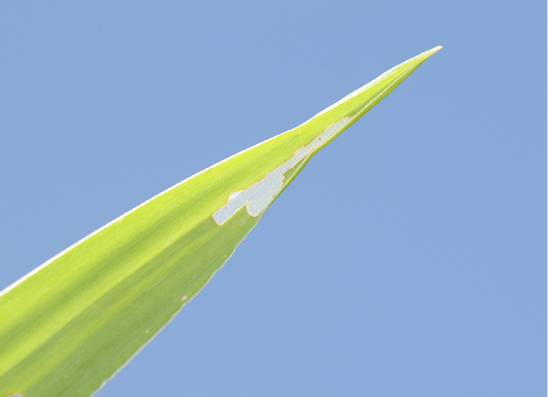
x: 258, y: 197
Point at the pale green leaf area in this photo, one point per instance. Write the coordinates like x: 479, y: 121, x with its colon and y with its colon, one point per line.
x: 71, y: 324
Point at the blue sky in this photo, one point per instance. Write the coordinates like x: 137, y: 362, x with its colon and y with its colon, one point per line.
x: 408, y: 258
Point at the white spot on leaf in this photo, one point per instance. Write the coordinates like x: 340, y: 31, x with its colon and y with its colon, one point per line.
x: 258, y: 197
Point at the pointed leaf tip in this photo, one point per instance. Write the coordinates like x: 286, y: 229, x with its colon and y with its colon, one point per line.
x: 433, y: 50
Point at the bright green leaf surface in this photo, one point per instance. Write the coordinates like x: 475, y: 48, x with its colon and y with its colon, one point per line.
x: 68, y: 326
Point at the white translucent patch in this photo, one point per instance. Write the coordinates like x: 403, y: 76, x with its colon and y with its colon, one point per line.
x: 259, y: 196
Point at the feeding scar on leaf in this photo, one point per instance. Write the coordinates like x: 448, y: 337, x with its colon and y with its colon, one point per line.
x: 258, y: 197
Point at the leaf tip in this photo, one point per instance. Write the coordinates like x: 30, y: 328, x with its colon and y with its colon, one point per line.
x: 427, y: 54
x: 433, y: 50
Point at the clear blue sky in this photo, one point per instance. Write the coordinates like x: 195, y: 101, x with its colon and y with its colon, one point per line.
x: 407, y: 259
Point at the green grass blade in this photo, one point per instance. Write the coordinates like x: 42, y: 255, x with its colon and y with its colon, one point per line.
x: 71, y: 324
